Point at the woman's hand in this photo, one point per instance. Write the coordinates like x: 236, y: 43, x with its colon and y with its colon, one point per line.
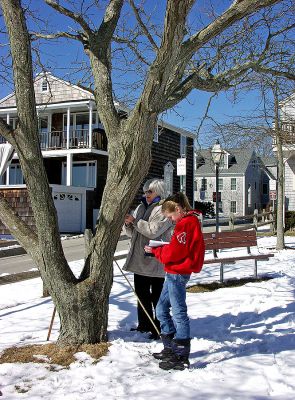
x: 129, y: 219
x: 147, y: 249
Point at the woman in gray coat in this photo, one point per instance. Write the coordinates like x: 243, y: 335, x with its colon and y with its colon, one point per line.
x: 147, y: 223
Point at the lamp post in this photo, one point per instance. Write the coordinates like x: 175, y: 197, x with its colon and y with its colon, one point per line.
x: 216, y: 154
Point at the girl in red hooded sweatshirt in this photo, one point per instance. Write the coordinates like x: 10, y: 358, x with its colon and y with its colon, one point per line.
x: 182, y: 256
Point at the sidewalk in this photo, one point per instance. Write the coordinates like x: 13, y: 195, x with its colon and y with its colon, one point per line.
x: 9, y: 248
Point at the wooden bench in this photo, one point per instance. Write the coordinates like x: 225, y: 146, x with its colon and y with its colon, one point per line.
x: 232, y: 240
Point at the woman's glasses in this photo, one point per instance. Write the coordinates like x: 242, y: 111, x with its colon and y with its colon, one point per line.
x: 148, y: 192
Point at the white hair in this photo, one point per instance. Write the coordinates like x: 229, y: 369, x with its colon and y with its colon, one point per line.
x: 156, y: 185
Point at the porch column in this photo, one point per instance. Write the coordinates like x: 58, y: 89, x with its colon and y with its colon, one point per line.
x: 90, y: 124
x: 49, y: 130
x: 7, y: 119
x: 69, y: 169
x: 68, y: 126
x: 7, y: 175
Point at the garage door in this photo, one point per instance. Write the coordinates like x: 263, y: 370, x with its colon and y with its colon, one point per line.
x: 69, y: 211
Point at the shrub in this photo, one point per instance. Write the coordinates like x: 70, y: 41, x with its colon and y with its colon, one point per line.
x: 290, y: 220
x: 206, y: 207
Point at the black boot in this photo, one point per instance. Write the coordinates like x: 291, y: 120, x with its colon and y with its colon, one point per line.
x: 167, y: 352
x: 180, y: 354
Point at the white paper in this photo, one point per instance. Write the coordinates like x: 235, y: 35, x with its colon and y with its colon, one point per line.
x: 157, y: 243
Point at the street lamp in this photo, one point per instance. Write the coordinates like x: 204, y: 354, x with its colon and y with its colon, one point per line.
x: 216, y: 154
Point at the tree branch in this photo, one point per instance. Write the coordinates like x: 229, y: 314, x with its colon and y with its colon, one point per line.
x: 142, y: 25
x: 6, y: 131
x: 74, y: 16
x: 236, y: 11
x: 132, y: 47
x: 109, y: 23
x: 273, y: 72
x: 56, y: 35
x: 18, y: 228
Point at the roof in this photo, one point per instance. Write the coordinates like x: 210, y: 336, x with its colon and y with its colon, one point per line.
x: 239, y: 160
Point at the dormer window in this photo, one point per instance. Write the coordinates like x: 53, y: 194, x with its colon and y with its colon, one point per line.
x: 200, y: 160
x: 223, y: 162
x: 44, y: 86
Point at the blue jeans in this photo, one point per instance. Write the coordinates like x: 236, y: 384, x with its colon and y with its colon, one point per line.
x: 173, y: 297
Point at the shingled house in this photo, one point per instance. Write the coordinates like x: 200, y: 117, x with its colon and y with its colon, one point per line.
x: 243, y: 181
x: 75, y: 152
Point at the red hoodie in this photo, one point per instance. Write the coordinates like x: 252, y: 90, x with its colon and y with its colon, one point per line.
x: 185, y: 253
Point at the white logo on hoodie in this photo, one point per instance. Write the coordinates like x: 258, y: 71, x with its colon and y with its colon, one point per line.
x: 181, y: 238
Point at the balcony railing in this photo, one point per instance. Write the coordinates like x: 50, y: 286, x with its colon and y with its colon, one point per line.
x: 78, y: 139
x: 287, y: 133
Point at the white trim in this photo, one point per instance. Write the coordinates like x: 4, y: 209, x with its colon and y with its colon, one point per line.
x: 64, y: 152
x: 69, y: 169
x: 68, y: 126
x: 90, y: 124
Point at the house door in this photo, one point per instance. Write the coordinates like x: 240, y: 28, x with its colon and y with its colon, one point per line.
x: 69, y: 211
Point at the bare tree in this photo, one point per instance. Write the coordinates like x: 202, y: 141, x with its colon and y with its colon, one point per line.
x: 179, y: 61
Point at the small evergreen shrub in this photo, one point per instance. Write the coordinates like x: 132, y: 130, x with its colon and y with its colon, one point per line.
x: 290, y: 221
x: 206, y: 207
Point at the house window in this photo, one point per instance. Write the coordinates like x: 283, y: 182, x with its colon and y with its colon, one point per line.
x: 168, y: 177
x: 79, y: 122
x: 204, y: 184
x: 183, y: 142
x: 233, y: 184
x: 156, y: 134
x: 15, y: 175
x: 255, y: 186
x: 83, y: 174
x: 44, y: 86
x: 265, y: 188
x: 220, y: 206
x: 43, y: 123
x: 220, y: 183
x: 249, y: 195
x: 233, y: 207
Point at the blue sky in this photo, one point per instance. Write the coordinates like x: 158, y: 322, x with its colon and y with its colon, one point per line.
x: 61, y: 55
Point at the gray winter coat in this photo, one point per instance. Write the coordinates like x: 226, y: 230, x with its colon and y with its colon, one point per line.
x: 149, y: 223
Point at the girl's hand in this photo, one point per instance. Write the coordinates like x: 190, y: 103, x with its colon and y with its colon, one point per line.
x: 147, y: 249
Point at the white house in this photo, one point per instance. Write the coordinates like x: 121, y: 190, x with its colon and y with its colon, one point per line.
x: 287, y: 117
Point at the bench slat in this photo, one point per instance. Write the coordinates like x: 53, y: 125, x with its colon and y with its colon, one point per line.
x: 220, y: 244
x: 232, y: 260
x: 228, y: 240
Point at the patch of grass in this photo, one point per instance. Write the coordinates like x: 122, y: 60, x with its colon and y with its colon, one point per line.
x: 210, y: 287
x: 52, y: 353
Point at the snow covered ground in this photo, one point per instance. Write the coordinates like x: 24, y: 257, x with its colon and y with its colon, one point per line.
x: 242, y: 337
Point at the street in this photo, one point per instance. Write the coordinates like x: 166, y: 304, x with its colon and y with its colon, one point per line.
x: 73, y: 248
